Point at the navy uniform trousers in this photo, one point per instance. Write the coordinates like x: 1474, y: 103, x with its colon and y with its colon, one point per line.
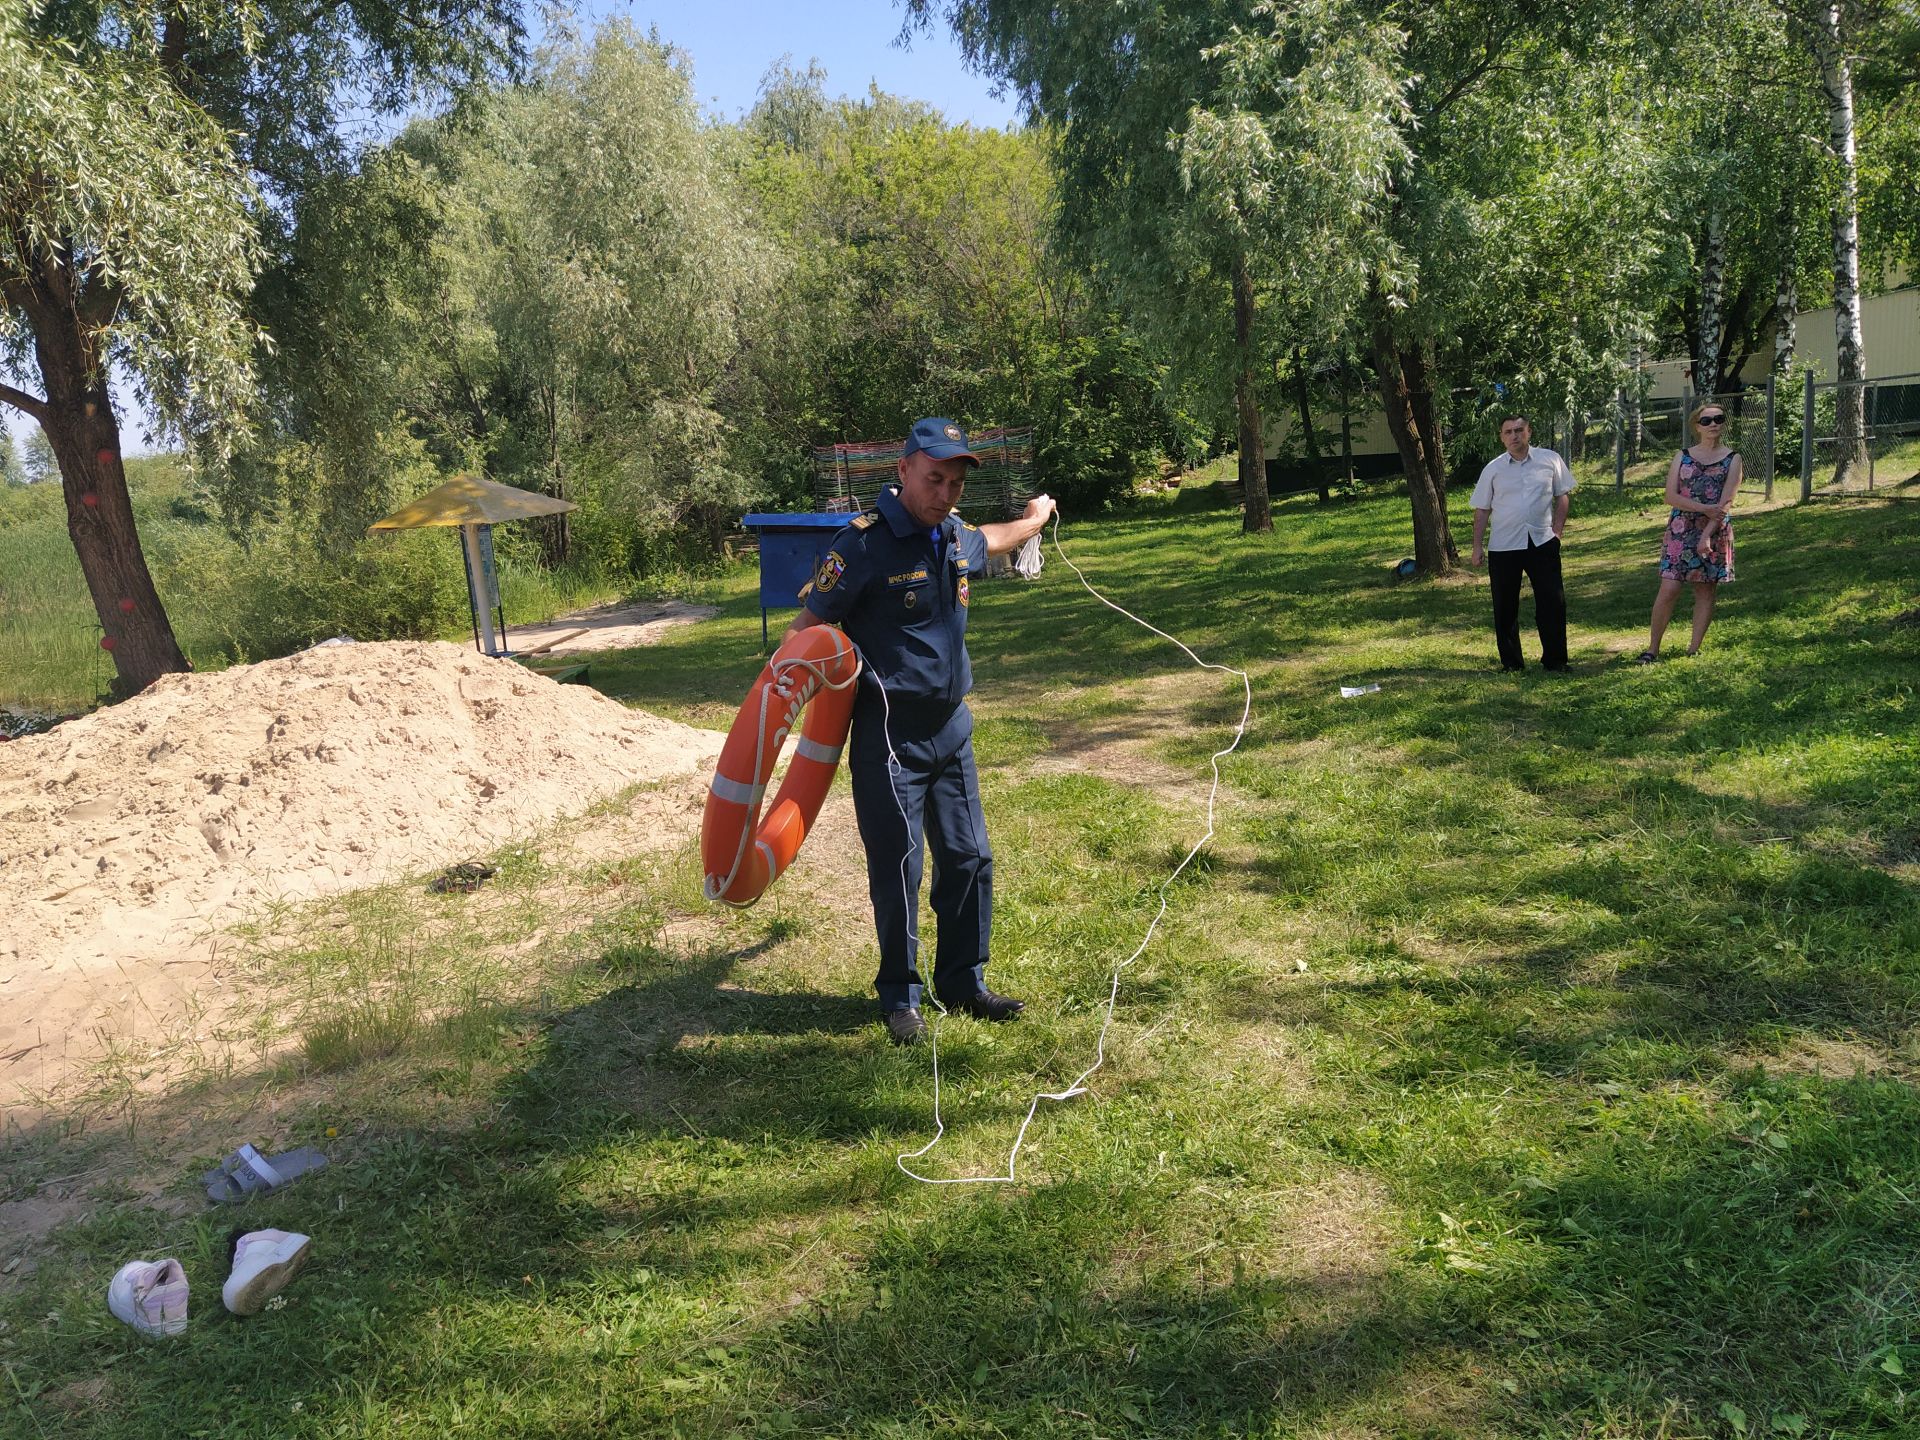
x: 935, y: 784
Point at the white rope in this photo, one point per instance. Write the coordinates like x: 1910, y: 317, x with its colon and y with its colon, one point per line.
x: 1027, y: 560
x: 1079, y: 1085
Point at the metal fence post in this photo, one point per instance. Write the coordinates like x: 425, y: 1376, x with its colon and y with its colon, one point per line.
x: 1806, y: 442
x: 1619, y: 440
x: 1871, y: 404
x: 1772, y: 459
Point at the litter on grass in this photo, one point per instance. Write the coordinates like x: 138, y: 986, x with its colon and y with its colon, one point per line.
x: 462, y: 879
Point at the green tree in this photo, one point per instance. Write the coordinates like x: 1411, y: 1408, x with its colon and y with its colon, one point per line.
x: 1889, y: 88
x: 925, y: 279
x: 140, y: 144
x: 1220, y: 167
x: 1828, y: 27
x: 12, y: 471
x: 1746, y: 184
x: 560, y: 287
x: 40, y: 463
x: 1497, y: 228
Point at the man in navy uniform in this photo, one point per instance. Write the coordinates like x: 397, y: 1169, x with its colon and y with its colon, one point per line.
x: 898, y: 581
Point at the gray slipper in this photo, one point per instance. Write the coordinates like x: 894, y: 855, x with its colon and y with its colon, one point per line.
x: 247, y: 1173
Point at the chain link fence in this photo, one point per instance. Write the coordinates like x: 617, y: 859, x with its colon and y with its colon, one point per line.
x: 1845, y: 431
x: 1640, y: 430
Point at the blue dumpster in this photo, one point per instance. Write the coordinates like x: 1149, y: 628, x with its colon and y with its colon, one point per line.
x: 790, y: 551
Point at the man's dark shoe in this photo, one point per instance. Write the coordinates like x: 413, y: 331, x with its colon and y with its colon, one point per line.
x: 905, y: 1027
x: 988, y: 1006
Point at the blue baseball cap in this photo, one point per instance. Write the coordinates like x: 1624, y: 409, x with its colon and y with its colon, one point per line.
x: 940, y: 438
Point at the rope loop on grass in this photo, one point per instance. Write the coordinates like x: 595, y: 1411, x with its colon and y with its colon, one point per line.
x: 1079, y: 1083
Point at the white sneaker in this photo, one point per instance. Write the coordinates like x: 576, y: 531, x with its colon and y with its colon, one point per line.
x: 263, y: 1262
x: 151, y: 1296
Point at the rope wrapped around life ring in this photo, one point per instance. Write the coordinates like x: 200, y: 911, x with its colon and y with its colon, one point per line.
x: 814, y: 672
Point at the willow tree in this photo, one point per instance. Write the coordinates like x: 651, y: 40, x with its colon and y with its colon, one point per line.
x: 563, y: 286
x: 1220, y: 163
x: 146, y: 152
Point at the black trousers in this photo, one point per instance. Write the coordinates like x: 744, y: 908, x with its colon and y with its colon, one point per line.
x: 1541, y: 565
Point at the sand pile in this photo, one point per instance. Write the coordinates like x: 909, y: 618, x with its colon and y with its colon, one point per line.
x: 147, y: 825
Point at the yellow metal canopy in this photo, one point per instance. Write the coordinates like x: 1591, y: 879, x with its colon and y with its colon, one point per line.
x: 469, y: 500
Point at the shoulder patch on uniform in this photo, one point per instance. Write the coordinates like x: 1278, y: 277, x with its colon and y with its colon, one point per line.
x: 965, y: 526
x: 832, y: 567
x: 864, y: 519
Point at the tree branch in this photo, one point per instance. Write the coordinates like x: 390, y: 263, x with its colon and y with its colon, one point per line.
x: 1490, y: 53
x: 173, y: 49
x: 21, y: 400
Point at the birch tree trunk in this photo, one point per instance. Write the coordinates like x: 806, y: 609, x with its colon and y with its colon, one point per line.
x: 1257, y: 514
x: 1713, y: 279
x: 1636, y: 412
x: 1836, y: 82
x: 1786, y: 294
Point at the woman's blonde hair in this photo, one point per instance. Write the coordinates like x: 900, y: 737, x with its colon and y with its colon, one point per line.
x: 1703, y: 407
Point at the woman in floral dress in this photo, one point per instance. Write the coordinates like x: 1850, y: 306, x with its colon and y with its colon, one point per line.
x: 1698, y: 547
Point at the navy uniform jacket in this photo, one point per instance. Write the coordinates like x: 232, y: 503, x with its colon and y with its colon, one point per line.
x: 901, y: 592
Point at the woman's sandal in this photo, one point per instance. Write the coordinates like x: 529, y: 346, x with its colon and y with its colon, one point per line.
x: 1647, y: 657
x: 247, y: 1173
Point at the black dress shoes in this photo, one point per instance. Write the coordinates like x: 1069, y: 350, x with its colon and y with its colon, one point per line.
x: 905, y: 1027
x: 987, y: 1006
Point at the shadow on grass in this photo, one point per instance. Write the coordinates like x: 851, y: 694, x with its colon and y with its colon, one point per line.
x: 682, y: 1215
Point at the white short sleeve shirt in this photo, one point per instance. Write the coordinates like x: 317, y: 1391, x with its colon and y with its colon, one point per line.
x: 1520, y: 493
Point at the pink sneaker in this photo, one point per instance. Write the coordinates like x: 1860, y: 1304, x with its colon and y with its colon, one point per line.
x: 263, y: 1262
x: 151, y: 1296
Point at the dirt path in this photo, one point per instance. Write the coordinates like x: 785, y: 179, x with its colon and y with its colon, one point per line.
x: 607, y: 627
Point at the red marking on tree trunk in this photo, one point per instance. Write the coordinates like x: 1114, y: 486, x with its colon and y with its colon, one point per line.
x: 105, y: 456
x: 90, y: 500
x: 107, y: 642
x: 126, y: 605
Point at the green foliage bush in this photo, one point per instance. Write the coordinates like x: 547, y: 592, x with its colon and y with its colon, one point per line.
x: 284, y: 590
x: 291, y: 582
x: 1789, y: 418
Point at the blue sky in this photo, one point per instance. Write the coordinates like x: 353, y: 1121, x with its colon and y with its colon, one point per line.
x: 733, y: 43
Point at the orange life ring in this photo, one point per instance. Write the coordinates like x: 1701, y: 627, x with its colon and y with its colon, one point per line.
x: 813, y: 671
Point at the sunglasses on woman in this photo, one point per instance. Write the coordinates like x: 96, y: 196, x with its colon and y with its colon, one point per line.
x: 1713, y: 419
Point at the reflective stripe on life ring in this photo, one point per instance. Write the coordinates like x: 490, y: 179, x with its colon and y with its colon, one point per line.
x: 813, y: 672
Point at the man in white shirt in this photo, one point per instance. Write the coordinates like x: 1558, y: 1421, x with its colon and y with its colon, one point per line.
x: 1522, y: 497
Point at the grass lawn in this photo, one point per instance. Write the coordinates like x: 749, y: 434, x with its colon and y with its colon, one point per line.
x: 1530, y: 1056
